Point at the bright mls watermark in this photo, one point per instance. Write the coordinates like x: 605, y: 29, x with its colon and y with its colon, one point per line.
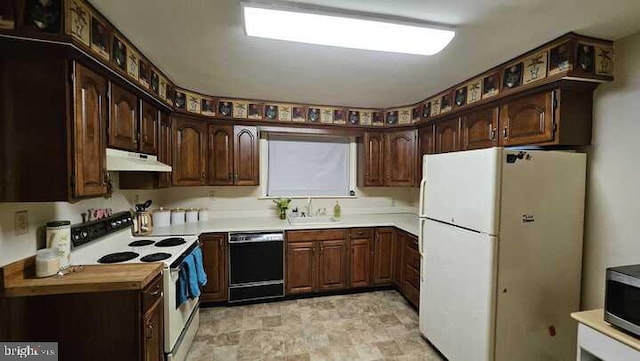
x: 46, y: 351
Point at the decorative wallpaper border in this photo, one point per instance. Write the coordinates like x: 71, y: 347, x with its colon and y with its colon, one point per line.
x: 571, y: 55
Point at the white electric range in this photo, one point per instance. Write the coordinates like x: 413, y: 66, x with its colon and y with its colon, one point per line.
x: 109, y: 241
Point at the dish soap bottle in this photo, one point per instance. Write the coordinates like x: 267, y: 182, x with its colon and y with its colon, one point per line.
x: 336, y: 210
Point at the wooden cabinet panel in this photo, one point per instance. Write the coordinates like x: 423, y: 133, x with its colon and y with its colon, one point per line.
x: 448, y: 135
x: 360, y: 271
x: 316, y: 235
x: 426, y: 145
x: 246, y: 162
x: 123, y: 125
x: 412, y: 257
x: 332, y: 264
x: 383, y: 255
x: 398, y: 255
x: 373, y: 161
x: 149, y: 129
x: 400, y: 155
x: 165, y: 149
x: 214, y: 259
x: 220, y: 171
x: 528, y: 120
x: 153, y: 341
x: 412, y: 294
x: 412, y: 276
x: 189, y: 161
x: 301, y: 268
x: 90, y: 112
x: 479, y: 129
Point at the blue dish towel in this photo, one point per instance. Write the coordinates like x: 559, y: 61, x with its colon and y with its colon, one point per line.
x: 202, y: 276
x: 189, y: 264
x: 181, y: 285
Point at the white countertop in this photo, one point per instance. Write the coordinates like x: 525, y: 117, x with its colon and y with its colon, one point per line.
x: 407, y: 222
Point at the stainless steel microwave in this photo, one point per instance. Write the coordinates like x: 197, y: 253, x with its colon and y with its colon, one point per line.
x: 622, y: 298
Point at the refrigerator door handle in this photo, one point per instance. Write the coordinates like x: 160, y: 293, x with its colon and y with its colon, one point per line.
x: 423, y: 183
x: 421, y: 237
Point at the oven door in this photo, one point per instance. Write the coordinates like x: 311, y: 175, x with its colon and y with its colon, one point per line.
x: 176, y: 317
x: 255, y: 262
x: 622, y: 301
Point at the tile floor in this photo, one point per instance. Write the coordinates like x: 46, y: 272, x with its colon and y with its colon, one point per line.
x: 366, y: 326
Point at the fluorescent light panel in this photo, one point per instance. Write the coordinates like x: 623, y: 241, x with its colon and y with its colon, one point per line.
x: 343, y: 31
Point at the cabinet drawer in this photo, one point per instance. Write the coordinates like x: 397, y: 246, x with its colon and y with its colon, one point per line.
x: 317, y: 235
x: 412, y: 242
x: 412, y: 276
x: 412, y: 257
x: 412, y: 294
x: 152, y: 293
x: 357, y: 233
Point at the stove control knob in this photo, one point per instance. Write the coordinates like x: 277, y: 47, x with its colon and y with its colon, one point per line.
x: 84, y: 234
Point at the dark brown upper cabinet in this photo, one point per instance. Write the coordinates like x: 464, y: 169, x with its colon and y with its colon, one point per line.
x: 479, y: 129
x: 149, y: 129
x: 426, y: 145
x: 448, y: 135
x: 400, y: 155
x: 372, y: 159
x: 89, y: 127
x: 528, y: 120
x: 233, y: 155
x: 190, y: 152
x: 123, y: 125
x: 165, y: 149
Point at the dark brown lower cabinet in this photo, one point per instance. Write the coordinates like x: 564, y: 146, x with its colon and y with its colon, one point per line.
x: 411, y: 267
x: 301, y: 270
x: 316, y: 261
x: 360, y: 260
x: 332, y: 265
x: 339, y: 259
x: 101, y: 325
x: 214, y: 259
x: 383, y: 261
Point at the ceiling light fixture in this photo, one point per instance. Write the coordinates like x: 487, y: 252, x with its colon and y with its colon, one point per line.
x: 343, y: 29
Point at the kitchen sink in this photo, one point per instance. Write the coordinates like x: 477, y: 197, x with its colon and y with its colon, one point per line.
x: 313, y: 220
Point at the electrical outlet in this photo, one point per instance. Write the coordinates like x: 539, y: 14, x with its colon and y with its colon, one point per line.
x: 211, y: 196
x: 21, y: 223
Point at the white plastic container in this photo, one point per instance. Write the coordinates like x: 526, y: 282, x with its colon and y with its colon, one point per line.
x: 47, y: 262
x: 177, y: 216
x: 203, y: 215
x: 192, y: 215
x: 59, y: 238
x: 161, y: 217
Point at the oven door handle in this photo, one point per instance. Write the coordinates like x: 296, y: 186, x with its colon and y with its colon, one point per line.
x: 256, y: 241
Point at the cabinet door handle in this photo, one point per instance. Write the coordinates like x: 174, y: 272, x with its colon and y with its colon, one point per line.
x: 202, y: 175
x: 541, y: 120
x: 230, y: 176
x: 505, y: 132
x: 149, y: 330
x: 235, y: 177
x: 492, y: 131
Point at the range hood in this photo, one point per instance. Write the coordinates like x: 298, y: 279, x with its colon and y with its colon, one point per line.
x: 123, y: 161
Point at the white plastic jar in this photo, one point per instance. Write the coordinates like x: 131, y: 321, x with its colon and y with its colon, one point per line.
x: 203, y: 215
x: 47, y: 262
x: 192, y: 215
x: 177, y: 216
x: 59, y: 238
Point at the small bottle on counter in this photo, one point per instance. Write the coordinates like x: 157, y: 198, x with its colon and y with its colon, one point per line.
x: 336, y: 210
x: 47, y: 262
x: 59, y: 238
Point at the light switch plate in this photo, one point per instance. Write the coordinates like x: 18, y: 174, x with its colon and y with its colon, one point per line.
x: 21, y: 223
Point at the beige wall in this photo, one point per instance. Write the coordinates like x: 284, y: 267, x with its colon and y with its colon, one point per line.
x: 612, y: 221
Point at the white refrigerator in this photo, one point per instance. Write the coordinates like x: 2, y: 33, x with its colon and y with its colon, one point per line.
x: 501, y: 245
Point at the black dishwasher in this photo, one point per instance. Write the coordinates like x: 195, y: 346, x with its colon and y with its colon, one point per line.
x: 256, y: 266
